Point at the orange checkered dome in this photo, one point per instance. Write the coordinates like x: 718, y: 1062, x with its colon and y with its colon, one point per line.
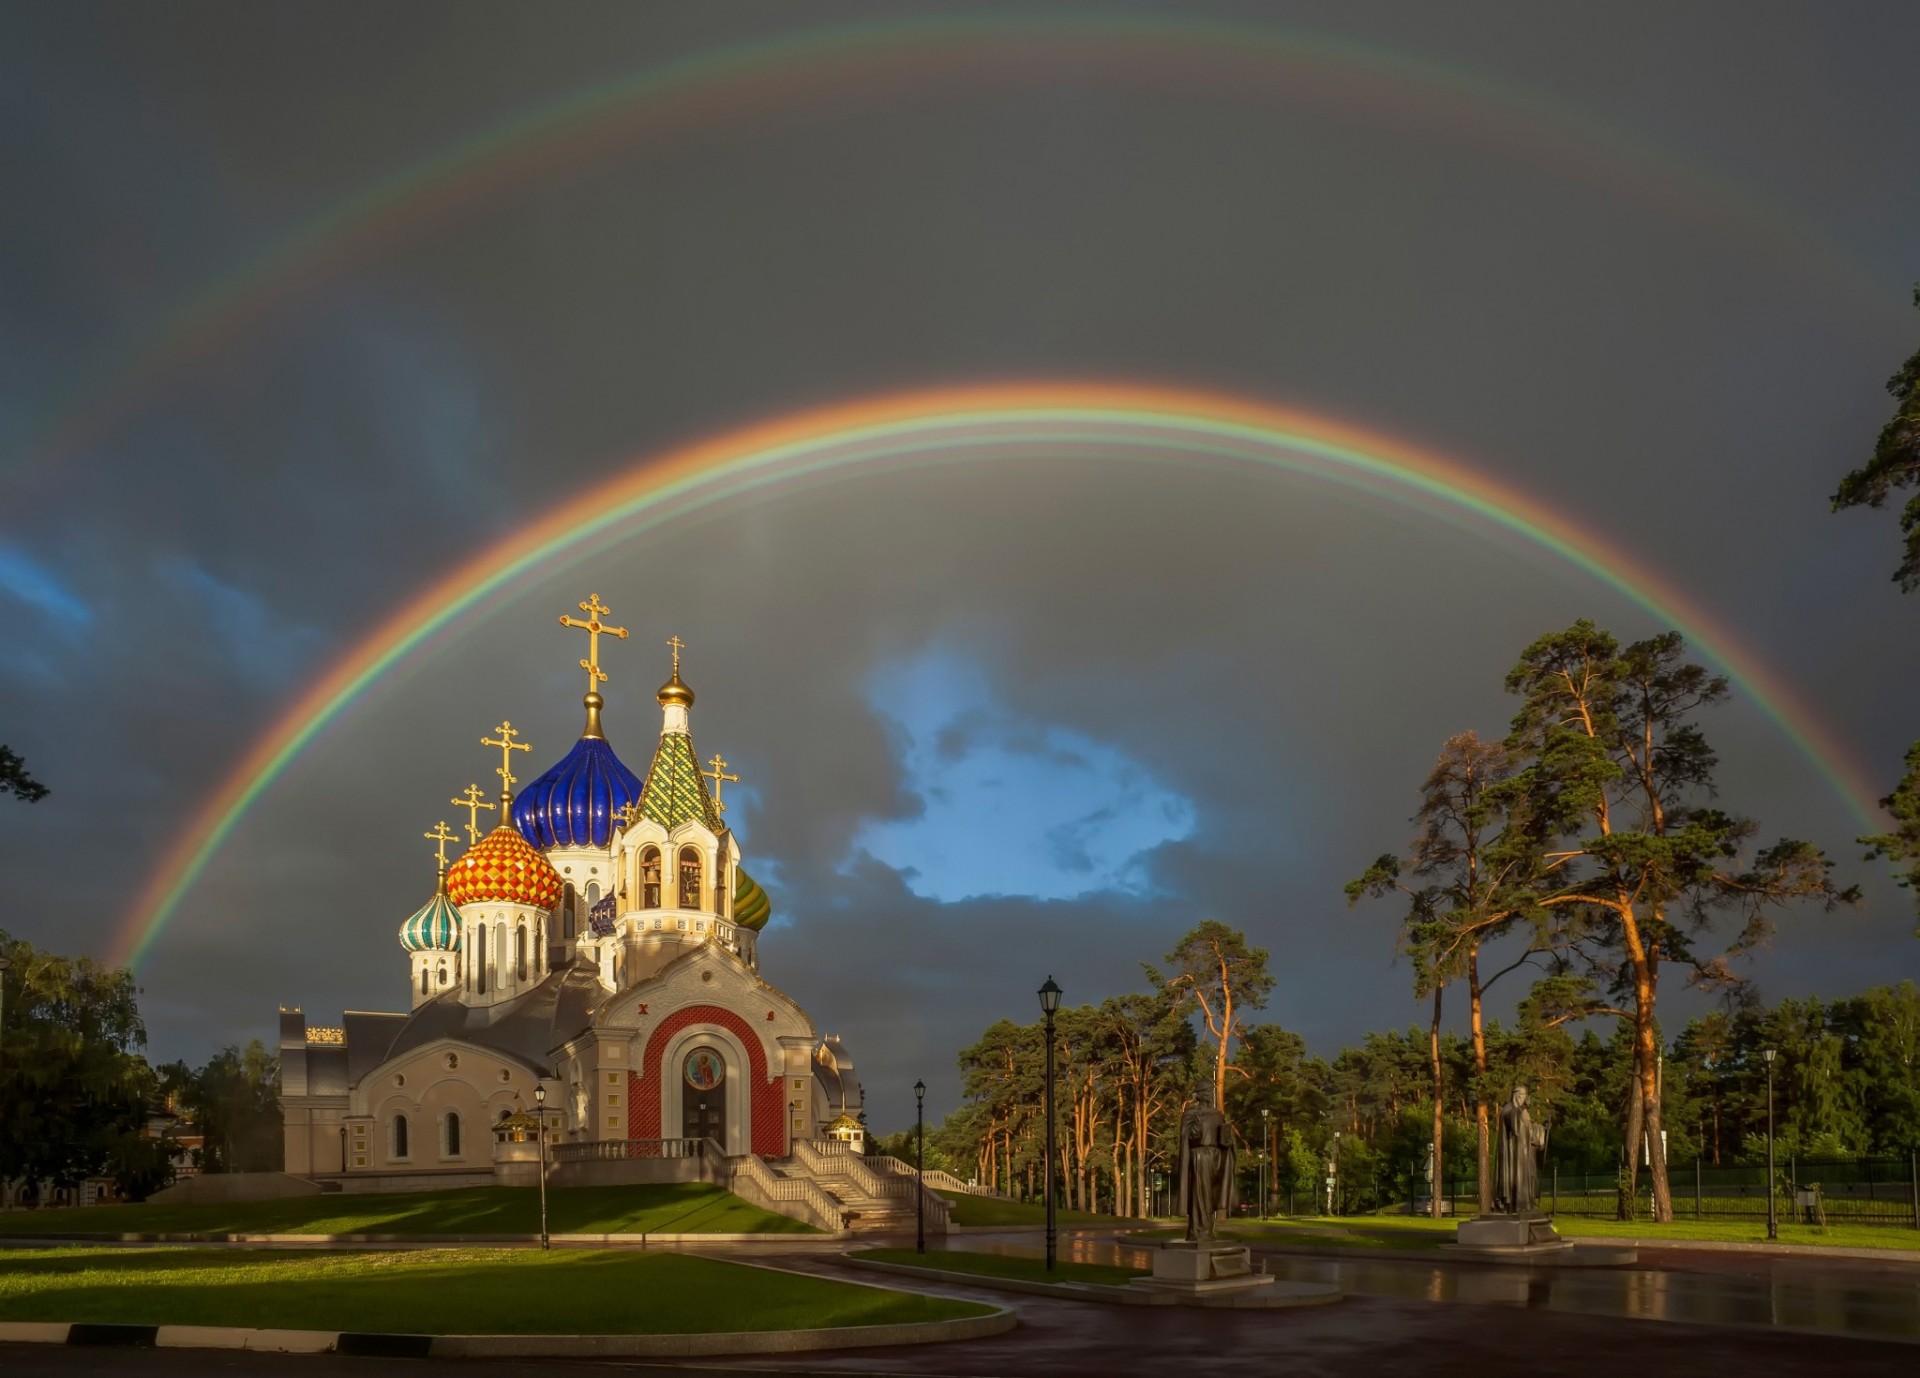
x: 502, y: 869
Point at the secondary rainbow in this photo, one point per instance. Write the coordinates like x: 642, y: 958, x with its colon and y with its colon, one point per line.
x: 952, y: 425
x: 899, y: 58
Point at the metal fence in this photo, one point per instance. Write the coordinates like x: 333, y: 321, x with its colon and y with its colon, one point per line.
x: 1832, y: 1191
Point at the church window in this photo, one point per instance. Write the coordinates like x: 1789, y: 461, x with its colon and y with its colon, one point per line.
x: 650, y: 878
x: 520, y: 953
x: 540, y: 946
x: 399, y: 1136
x: 423, y: 978
x: 443, y: 973
x: 480, y: 960
x: 689, y: 878
x: 453, y: 1134
x: 566, y: 916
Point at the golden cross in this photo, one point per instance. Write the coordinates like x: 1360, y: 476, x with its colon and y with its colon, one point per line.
x: 441, y: 836
x: 507, y: 746
x: 630, y: 813
x: 678, y: 646
x: 719, y: 777
x: 593, y: 626
x: 472, y: 803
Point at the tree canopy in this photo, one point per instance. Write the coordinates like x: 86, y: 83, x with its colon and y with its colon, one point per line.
x: 14, y: 779
x: 1895, y: 465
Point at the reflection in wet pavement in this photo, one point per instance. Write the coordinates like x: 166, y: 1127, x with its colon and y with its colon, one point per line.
x: 1839, y: 1296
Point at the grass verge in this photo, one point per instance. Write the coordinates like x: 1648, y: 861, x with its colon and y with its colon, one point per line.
x: 969, y: 1209
x: 444, y: 1291
x: 1005, y: 1266
x: 1420, y: 1233
x: 659, y: 1208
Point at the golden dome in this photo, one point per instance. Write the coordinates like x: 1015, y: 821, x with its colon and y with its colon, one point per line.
x: 675, y: 691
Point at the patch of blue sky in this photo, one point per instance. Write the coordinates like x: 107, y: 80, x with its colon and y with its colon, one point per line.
x: 1008, y: 806
x: 32, y: 583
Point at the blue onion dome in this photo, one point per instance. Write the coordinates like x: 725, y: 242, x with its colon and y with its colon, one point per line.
x: 435, y: 928
x: 577, y: 802
x: 751, y: 907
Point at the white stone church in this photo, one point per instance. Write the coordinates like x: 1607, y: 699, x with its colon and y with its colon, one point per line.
x: 598, y: 945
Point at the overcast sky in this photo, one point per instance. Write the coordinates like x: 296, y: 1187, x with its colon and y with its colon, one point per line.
x: 1646, y: 264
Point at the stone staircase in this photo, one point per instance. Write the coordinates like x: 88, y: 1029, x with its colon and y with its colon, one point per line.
x: 869, y: 1202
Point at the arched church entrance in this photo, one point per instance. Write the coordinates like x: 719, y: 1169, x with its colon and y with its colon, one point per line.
x: 703, y: 1093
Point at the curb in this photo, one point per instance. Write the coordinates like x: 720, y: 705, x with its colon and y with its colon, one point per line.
x: 642, y: 1241
x: 998, y: 1322
x: 1317, y: 1295
x: 1438, y: 1254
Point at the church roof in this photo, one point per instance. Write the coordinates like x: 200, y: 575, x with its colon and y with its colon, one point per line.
x: 579, y: 799
x: 676, y: 791
x: 751, y: 907
x: 526, y: 1028
x: 502, y: 868
x: 435, y: 926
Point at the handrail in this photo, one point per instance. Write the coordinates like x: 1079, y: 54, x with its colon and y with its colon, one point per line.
x: 750, y: 1170
x: 835, y: 1157
x: 623, y: 1150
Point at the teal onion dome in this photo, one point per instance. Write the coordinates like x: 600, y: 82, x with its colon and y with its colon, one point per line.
x: 577, y: 802
x: 751, y: 907
x: 435, y: 928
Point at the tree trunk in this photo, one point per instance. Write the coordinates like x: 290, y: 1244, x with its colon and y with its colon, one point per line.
x: 1439, y: 1107
x: 1480, y: 1115
x: 1636, y: 1126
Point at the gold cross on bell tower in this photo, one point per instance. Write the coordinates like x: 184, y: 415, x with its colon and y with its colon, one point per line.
x: 678, y: 646
x: 441, y: 836
x: 507, y: 746
x: 593, y: 627
x: 719, y: 777
x: 472, y: 803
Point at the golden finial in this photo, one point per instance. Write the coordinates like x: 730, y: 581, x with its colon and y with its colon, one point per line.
x: 472, y: 803
x: 507, y: 746
x: 673, y: 691
x: 593, y: 627
x: 719, y: 777
x: 442, y: 837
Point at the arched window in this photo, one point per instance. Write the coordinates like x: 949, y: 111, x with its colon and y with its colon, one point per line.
x: 480, y: 959
x: 567, y: 915
x: 399, y: 1136
x: 520, y: 953
x: 423, y: 979
x: 453, y: 1134
x: 689, y: 878
x: 443, y: 973
x: 540, y: 945
x: 650, y: 878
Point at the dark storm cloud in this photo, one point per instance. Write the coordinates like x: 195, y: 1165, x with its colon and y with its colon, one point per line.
x: 1284, y: 657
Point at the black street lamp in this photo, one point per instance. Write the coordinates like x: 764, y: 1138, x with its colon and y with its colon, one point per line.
x: 1266, y: 1142
x: 919, y: 1167
x: 1049, y: 1002
x: 540, y: 1113
x: 1773, y: 1210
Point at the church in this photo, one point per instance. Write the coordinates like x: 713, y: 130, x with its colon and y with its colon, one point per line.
x: 595, y: 953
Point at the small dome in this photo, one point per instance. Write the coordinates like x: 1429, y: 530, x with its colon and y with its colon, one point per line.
x: 435, y: 928
x: 751, y: 907
x: 502, y: 869
x: 675, y: 691
x: 577, y: 802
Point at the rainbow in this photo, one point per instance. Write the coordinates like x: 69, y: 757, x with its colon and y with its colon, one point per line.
x: 843, y: 442
x: 900, y: 59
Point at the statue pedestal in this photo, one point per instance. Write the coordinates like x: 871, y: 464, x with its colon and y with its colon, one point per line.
x: 1530, y: 1232
x: 1204, y: 1267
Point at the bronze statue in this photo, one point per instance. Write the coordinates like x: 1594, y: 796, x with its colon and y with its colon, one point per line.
x: 1516, y: 1163
x: 1206, y: 1165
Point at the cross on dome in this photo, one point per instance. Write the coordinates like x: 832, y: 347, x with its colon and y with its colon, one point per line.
x: 441, y: 837
x: 472, y: 803
x: 507, y: 746
x: 719, y: 777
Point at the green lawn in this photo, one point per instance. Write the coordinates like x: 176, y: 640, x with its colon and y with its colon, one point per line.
x: 1005, y: 1266
x: 664, y: 1208
x: 442, y: 1291
x: 969, y: 1209
x: 1419, y: 1232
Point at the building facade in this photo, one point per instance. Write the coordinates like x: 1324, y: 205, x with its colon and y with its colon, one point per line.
x: 600, y: 944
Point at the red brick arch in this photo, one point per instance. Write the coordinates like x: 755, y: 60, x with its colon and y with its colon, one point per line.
x: 767, y: 1133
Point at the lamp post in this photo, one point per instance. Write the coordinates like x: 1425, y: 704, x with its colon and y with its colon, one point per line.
x: 540, y: 1114
x: 1049, y: 1002
x: 919, y: 1167
x: 1773, y: 1211
x: 1333, y: 1177
x: 1266, y: 1142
